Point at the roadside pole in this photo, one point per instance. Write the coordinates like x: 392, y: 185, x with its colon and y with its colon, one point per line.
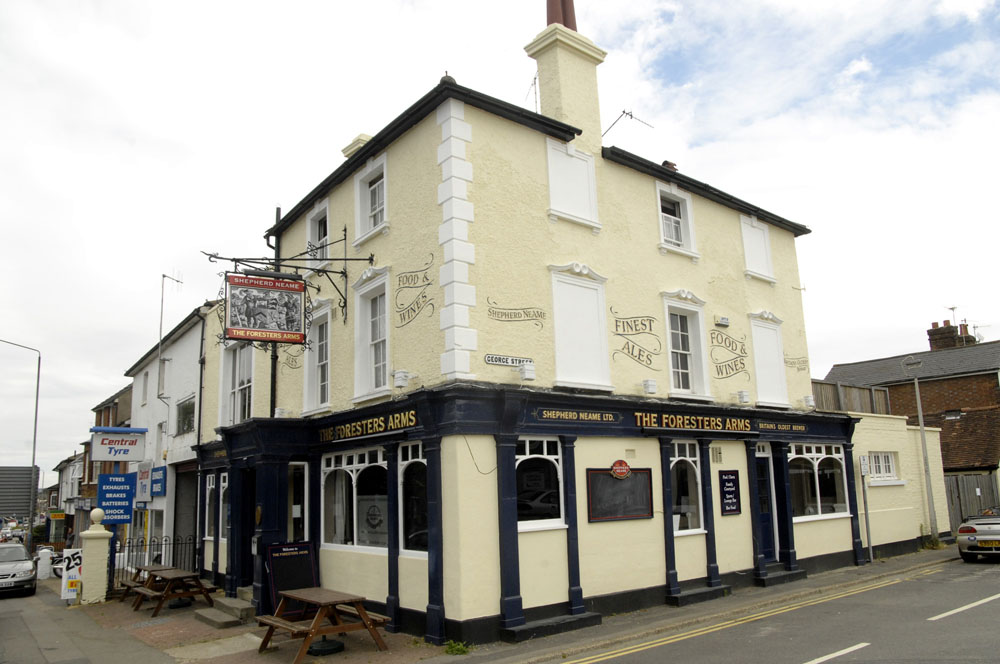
x: 864, y: 495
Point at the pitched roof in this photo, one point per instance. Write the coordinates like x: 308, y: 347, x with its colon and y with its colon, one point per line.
x: 449, y: 89
x: 971, y: 442
x: 961, y: 361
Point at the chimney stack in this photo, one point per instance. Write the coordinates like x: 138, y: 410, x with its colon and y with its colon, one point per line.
x: 567, y: 74
x: 949, y: 336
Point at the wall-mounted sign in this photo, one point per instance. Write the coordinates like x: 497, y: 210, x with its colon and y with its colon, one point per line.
x: 640, y: 342
x: 115, y: 495
x: 729, y: 492
x: 412, y: 295
x: 515, y: 314
x: 610, y: 498
x: 565, y: 415
x: 506, y: 360
x: 782, y: 427
x: 260, y: 308
x: 143, y: 493
x: 728, y: 355
x: 691, y: 422
x: 370, y: 426
x: 117, y: 444
x: 620, y: 469
x: 158, y: 481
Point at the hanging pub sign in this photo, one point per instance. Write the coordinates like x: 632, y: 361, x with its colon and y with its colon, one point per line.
x: 117, y: 444
x: 262, y: 306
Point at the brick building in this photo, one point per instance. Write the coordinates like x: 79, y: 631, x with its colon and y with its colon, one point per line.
x: 960, y: 394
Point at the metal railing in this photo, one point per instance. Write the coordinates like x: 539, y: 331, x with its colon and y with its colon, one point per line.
x: 129, y: 553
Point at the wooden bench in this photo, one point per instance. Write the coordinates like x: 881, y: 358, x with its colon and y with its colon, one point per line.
x: 348, y: 610
x: 297, y: 630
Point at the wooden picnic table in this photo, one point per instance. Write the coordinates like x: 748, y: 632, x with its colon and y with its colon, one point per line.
x: 345, y: 613
x: 139, y: 577
x: 171, y: 583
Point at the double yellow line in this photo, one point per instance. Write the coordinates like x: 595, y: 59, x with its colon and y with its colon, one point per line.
x: 727, y: 624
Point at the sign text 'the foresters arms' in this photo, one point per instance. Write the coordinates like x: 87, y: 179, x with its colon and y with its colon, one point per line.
x: 369, y: 426
x: 694, y: 422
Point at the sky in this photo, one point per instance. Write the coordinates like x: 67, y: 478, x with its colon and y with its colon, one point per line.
x: 135, y: 135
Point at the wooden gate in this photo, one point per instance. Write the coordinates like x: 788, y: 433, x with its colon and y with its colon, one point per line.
x: 964, y: 499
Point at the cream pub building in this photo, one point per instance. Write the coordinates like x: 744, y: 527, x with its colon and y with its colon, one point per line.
x: 572, y: 381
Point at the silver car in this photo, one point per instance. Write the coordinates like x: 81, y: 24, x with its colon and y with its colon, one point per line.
x: 17, y: 569
x: 980, y: 536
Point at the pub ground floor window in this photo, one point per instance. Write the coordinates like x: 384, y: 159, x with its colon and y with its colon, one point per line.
x: 413, y: 497
x: 539, y: 480
x: 355, y: 498
x: 685, y: 485
x: 298, y: 512
x: 817, y: 477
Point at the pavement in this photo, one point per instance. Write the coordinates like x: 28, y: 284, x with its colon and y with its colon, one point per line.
x: 43, y: 629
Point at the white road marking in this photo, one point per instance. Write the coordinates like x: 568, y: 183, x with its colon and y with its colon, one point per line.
x: 827, y: 658
x: 964, y: 608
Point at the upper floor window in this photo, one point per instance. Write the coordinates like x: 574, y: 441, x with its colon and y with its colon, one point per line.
x: 161, y: 377
x: 317, y: 384
x: 371, y: 199
x: 371, y: 329
x: 818, y: 483
x: 185, y: 416
x: 676, y: 221
x: 238, y: 377
x: 572, y: 185
x: 145, y: 386
x: 319, y: 236
x: 769, y: 359
x: 538, y: 465
x: 686, y: 344
x: 757, y: 249
x: 580, y: 325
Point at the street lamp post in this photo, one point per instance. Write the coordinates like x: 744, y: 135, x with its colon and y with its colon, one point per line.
x: 34, y: 442
x: 910, y: 362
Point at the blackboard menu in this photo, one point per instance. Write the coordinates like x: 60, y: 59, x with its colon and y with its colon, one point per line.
x: 729, y: 492
x: 291, y: 566
x: 612, y: 499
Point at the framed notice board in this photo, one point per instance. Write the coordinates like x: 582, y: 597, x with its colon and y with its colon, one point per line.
x: 291, y: 566
x: 612, y: 499
x: 729, y: 492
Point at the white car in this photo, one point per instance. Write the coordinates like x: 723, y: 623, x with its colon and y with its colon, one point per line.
x: 980, y: 536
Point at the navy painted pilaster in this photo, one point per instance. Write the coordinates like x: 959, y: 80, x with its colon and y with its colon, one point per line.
x: 272, y: 501
x: 572, y: 532
x: 708, y: 516
x: 511, y: 608
x: 783, y: 498
x: 392, y: 504
x: 852, y: 504
x: 670, y: 555
x: 759, y: 566
x: 434, y: 629
x: 236, y: 530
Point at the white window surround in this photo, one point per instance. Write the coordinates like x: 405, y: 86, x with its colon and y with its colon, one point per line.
x: 572, y: 185
x: 688, y: 304
x: 352, y: 462
x: 223, y: 512
x: 688, y: 246
x: 757, y: 249
x: 210, y: 498
x: 581, y: 360
x: 816, y: 455
x: 688, y: 452
x: 318, y: 234
x: 882, y: 467
x: 375, y: 168
x: 373, y: 282
x: 409, y: 454
x: 311, y: 402
x: 228, y: 392
x: 769, y: 360
x: 524, y: 453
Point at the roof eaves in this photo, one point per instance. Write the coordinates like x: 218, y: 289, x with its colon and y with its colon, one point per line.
x: 637, y: 163
x: 181, y: 327
x: 410, y: 117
